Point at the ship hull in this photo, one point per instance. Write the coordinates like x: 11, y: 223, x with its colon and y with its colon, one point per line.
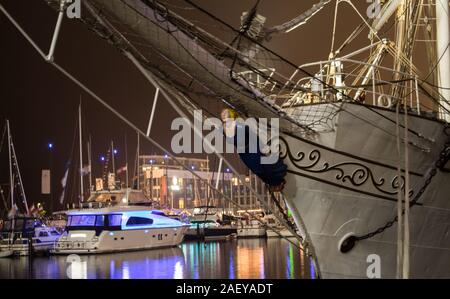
x: 343, y: 182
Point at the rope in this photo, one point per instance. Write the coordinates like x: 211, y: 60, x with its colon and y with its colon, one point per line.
x: 399, y: 200
x: 406, y: 218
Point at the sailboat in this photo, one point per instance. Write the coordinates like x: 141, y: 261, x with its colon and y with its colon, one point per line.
x: 22, y: 234
x: 107, y: 191
x: 364, y: 148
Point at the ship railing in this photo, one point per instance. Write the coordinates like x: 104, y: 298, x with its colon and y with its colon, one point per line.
x: 260, y: 79
x: 329, y: 82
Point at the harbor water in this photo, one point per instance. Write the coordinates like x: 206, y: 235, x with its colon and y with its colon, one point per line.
x: 236, y: 259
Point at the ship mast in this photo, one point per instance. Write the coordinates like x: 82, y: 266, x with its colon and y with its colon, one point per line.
x: 443, y: 56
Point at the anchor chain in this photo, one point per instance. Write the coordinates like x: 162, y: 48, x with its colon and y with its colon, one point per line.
x: 444, y: 157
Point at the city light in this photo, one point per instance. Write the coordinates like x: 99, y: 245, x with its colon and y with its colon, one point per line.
x: 175, y: 184
x: 115, y: 151
x: 102, y: 158
x: 50, y: 145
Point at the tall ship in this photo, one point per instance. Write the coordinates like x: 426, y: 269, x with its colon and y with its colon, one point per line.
x: 364, y: 139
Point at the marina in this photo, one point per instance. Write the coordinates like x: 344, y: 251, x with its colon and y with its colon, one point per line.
x: 200, y: 140
x: 237, y: 259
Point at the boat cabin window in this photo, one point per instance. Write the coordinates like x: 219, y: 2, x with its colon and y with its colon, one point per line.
x: 82, y: 220
x: 43, y: 234
x: 137, y: 221
x: 115, y: 220
x: 97, y: 222
x: 202, y: 221
x: 100, y: 221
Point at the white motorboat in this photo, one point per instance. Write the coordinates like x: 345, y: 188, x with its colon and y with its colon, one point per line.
x: 275, y: 229
x: 251, y: 229
x: 118, y: 229
x: 206, y: 223
x: 22, y: 236
x: 209, y: 230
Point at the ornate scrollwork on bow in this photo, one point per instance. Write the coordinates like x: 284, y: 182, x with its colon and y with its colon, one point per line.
x: 350, y: 174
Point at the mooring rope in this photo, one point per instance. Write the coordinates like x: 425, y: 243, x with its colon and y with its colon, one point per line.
x: 399, y: 199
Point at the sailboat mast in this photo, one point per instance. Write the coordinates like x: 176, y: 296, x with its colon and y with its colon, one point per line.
x: 113, y: 158
x: 90, y: 163
x: 19, y: 177
x: 138, y: 164
x: 11, y: 178
x: 80, y: 128
x: 443, y: 55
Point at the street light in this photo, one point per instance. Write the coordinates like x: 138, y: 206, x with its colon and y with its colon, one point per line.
x: 175, y: 187
x: 50, y: 146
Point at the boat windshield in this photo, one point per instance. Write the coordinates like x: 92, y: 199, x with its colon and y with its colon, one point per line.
x: 94, y: 221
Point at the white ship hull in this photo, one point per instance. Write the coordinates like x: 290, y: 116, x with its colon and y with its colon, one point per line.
x: 333, y: 195
x: 119, y: 241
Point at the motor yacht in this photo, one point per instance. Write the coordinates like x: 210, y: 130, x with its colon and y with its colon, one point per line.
x: 116, y: 229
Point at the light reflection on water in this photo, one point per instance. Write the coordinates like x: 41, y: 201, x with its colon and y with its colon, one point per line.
x: 248, y: 258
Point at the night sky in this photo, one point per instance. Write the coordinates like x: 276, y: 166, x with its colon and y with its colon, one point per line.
x: 42, y: 104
